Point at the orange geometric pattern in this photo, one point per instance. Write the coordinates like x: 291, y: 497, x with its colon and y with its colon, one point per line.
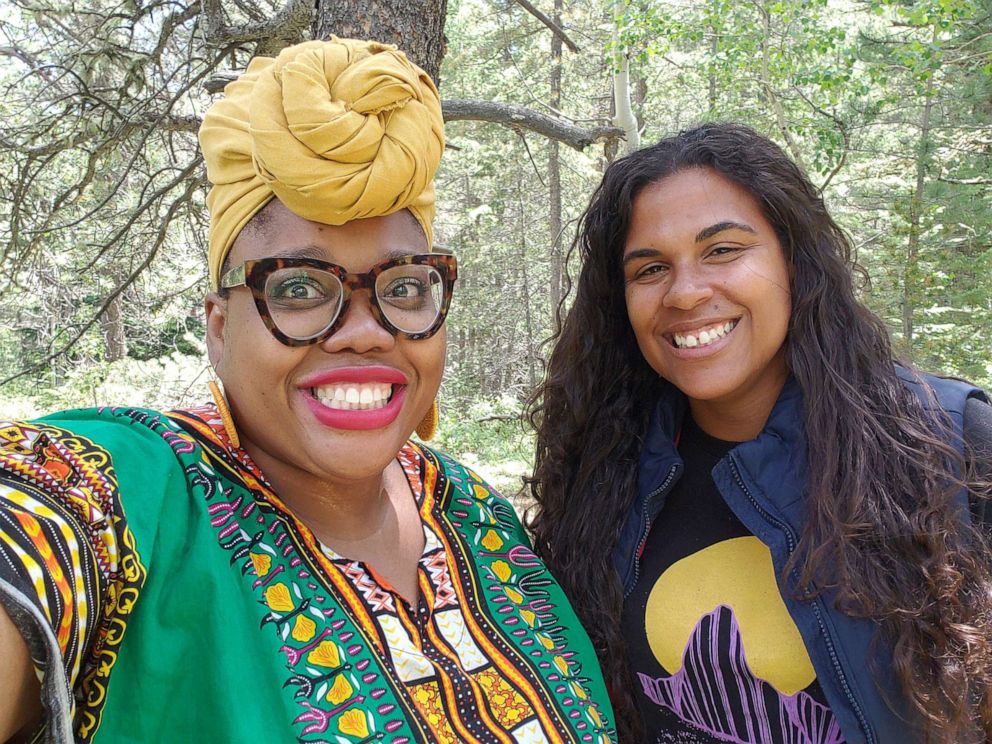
x: 507, y: 705
x: 427, y: 698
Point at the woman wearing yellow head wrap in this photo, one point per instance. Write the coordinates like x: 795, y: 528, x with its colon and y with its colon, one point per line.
x: 285, y: 564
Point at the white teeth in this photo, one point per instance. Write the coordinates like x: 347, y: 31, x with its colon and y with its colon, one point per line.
x: 353, y: 396
x: 704, y: 337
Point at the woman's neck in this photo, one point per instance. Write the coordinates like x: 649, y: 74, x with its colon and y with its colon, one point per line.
x: 374, y: 520
x: 333, y: 508
x: 740, y: 417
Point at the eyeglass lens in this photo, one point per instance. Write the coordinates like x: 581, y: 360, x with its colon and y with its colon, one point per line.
x: 303, y: 301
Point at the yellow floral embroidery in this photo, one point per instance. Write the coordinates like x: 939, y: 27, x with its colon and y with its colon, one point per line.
x: 278, y: 599
x: 304, y: 628
x: 354, y: 723
x: 262, y: 563
x: 325, y: 655
x: 492, y: 541
x: 340, y: 691
x: 502, y: 570
x: 515, y: 596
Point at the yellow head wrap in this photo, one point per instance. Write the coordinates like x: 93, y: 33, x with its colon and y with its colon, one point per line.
x: 339, y: 130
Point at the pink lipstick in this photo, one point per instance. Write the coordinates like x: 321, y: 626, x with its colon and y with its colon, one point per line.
x: 355, y: 398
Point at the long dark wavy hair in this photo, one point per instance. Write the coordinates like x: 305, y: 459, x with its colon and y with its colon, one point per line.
x: 881, y: 530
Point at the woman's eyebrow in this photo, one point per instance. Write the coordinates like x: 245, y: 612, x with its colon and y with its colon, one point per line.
x: 392, y: 253
x: 639, y: 253
x: 706, y: 232
x: 709, y: 232
x: 313, y: 251
x: 303, y: 251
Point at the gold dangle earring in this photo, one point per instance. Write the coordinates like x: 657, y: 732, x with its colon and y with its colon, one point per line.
x: 225, y: 413
x: 428, y: 426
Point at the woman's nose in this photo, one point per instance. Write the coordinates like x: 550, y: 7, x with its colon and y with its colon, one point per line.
x: 687, y: 288
x: 360, y: 330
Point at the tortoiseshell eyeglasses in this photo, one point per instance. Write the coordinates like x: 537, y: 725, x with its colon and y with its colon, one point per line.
x: 302, y: 300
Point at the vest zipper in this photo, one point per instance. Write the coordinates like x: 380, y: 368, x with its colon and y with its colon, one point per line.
x: 816, y: 604
x: 645, y: 527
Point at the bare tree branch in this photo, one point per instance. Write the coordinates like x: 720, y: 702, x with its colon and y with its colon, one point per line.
x: 165, y: 123
x: 17, y: 53
x: 215, y: 83
x: 552, y: 26
x: 537, y: 169
x: 508, y: 114
x: 288, y: 25
x: 966, y: 181
x: 146, y: 204
x: 171, y: 23
x: 521, y: 117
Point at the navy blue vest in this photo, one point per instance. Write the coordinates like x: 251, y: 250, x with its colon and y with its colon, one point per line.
x: 763, y: 482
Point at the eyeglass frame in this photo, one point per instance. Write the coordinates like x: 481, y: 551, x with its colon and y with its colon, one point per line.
x: 253, y: 273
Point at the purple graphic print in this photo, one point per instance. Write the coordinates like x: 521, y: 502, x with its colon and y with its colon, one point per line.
x: 722, y: 697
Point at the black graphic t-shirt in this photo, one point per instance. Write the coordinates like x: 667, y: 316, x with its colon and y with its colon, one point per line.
x: 715, y: 654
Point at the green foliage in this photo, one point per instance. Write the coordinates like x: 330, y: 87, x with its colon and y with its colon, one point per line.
x: 166, y: 382
x: 167, y: 336
x: 493, y: 191
x: 491, y: 437
x: 886, y: 103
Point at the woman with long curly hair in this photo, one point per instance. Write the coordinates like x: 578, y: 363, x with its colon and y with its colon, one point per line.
x: 771, y: 530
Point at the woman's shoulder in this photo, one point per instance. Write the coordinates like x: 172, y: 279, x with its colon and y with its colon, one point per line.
x: 113, y: 454
x: 978, y: 425
x: 461, y: 474
x: 971, y: 403
x: 471, y: 491
x: 951, y: 394
x: 74, y: 435
x: 977, y: 436
x: 108, y: 424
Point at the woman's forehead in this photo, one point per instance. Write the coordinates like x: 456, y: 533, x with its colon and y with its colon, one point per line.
x: 280, y: 232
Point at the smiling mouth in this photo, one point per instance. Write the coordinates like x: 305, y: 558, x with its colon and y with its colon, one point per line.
x: 703, y: 337
x: 354, y: 396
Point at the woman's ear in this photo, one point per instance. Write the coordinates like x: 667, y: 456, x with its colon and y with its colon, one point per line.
x: 215, y: 308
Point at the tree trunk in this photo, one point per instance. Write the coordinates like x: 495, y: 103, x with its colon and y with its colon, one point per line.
x: 554, y: 175
x: 112, y: 326
x: 624, y: 117
x: 771, y: 94
x: 910, y: 273
x: 525, y: 290
x: 415, y: 26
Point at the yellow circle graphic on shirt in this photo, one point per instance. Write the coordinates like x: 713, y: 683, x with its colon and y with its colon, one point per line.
x: 737, y: 573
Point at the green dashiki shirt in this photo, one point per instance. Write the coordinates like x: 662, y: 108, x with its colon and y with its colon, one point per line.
x: 166, y: 594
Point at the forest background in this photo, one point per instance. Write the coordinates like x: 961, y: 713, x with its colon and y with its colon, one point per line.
x: 886, y: 104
